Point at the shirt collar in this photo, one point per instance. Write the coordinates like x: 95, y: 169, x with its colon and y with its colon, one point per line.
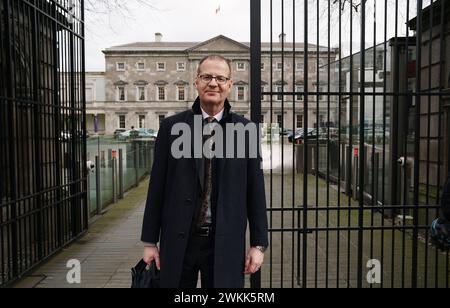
x: 218, y: 116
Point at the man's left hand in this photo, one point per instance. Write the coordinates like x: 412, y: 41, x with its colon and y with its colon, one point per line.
x: 255, y: 259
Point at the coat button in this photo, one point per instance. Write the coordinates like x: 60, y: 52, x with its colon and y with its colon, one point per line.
x: 181, y: 235
x: 188, y: 202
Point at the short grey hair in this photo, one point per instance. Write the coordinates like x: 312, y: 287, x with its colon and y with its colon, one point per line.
x: 214, y: 57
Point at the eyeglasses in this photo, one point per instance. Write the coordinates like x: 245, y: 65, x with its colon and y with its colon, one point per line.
x: 208, y: 78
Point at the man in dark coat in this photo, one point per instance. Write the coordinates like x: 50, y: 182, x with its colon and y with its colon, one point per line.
x: 198, y: 208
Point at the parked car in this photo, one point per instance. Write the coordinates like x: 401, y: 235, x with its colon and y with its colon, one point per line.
x: 298, y: 137
x: 118, y: 131
x: 286, y: 132
x: 67, y: 135
x: 138, y: 133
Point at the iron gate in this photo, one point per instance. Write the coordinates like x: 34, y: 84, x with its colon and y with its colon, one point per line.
x: 42, y: 131
x: 365, y: 95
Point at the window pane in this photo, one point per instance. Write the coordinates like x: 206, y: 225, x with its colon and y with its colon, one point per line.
x: 241, y: 93
x: 299, y: 121
x: 122, y: 123
x: 161, y: 93
x: 121, y: 94
x: 142, y: 121
x: 181, y: 95
x: 141, y: 93
x: 280, y: 96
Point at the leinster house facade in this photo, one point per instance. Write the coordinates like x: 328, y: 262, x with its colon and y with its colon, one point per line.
x: 146, y: 82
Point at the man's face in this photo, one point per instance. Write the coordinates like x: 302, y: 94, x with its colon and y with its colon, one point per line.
x: 213, y: 92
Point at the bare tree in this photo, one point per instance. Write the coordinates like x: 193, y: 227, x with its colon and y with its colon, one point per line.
x: 101, y: 12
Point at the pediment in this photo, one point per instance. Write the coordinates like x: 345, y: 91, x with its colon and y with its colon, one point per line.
x: 220, y: 43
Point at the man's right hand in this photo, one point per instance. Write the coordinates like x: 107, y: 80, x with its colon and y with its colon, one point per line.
x: 152, y: 254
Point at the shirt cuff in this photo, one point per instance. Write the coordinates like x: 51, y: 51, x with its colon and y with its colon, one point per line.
x: 149, y: 244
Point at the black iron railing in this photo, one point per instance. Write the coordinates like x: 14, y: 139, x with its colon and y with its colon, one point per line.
x: 351, y: 206
x: 43, y: 204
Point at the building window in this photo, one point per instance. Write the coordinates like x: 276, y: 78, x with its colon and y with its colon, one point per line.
x: 141, y: 94
x: 299, y: 67
x: 299, y: 121
x: 279, y: 66
x: 141, y: 121
x: 181, y: 66
x: 262, y: 118
x: 240, y: 93
x: 262, y: 95
x: 280, y: 90
x: 161, y: 66
x: 160, y: 119
x: 319, y: 91
x: 241, y: 66
x: 122, y: 122
x: 89, y: 95
x: 299, y: 90
x: 181, y: 93
x: 161, y: 93
x: 322, y: 63
x: 141, y: 66
x: 263, y: 66
x: 121, y: 97
x: 120, y: 66
x: 280, y: 120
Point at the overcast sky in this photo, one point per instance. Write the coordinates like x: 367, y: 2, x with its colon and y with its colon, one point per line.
x: 197, y: 20
x: 177, y: 20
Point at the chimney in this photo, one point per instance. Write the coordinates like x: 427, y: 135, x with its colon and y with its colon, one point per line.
x: 158, y: 37
x: 282, y: 37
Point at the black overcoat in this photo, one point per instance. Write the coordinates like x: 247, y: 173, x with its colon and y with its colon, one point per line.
x: 238, y: 200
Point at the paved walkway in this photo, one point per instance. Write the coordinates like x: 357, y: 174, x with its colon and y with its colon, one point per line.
x: 106, y: 253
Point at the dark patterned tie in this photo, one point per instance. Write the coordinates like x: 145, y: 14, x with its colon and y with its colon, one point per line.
x: 206, y: 196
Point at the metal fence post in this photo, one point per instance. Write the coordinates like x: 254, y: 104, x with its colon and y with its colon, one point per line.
x: 114, y: 181
x: 136, y: 163
x: 98, y: 186
x: 120, y: 174
x: 355, y: 177
x: 377, y: 168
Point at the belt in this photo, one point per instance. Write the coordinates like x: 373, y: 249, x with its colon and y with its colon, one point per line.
x: 204, y: 231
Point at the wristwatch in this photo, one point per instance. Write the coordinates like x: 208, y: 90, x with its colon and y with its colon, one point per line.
x: 261, y: 248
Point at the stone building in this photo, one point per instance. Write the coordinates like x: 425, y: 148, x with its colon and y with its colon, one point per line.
x: 147, y: 82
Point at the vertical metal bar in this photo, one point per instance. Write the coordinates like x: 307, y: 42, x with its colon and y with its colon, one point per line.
x: 350, y: 148
x: 361, y: 144
x: 383, y: 179
x: 338, y: 252
x: 293, y: 143
x: 57, y: 127
x: 441, y: 87
x: 328, y: 146
x: 374, y: 98
x: 83, y: 93
x: 136, y: 163
x: 12, y: 231
x: 74, y: 176
x: 255, y: 74
x: 98, y: 185
x: 394, y: 143
x: 37, y: 135
x: 282, y: 143
x: 317, y: 151
x: 271, y: 141
x: 305, y: 156
x: 114, y: 179
x: 417, y: 143
x: 429, y: 102
x: 121, y: 174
